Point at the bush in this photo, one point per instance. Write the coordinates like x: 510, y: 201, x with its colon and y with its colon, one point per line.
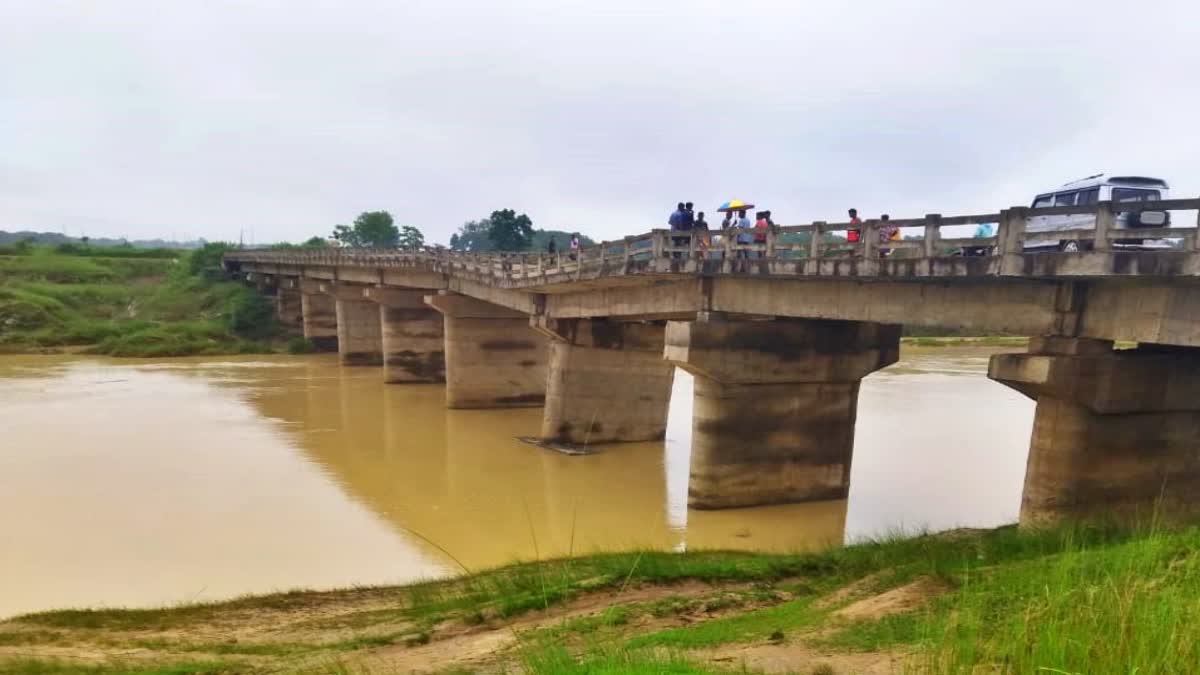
x: 300, y: 345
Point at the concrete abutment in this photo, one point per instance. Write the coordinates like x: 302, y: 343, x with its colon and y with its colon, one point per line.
x: 607, y: 382
x: 1116, y: 434
x: 493, y: 357
x: 775, y: 405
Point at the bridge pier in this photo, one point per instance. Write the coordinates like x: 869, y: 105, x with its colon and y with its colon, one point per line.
x: 494, y: 359
x: 318, y: 316
x: 289, y: 303
x: 1116, y: 434
x: 606, y: 382
x: 412, y: 335
x: 775, y: 405
x: 359, y: 335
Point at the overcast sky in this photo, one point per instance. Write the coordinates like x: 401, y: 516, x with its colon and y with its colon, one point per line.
x: 207, y: 118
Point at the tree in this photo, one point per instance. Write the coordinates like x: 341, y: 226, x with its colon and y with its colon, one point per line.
x: 411, y: 239
x: 509, y: 232
x: 472, y: 236
x: 314, y: 242
x: 371, y: 229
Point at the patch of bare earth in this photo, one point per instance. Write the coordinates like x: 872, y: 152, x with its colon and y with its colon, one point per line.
x: 901, y: 599
x: 488, y: 647
x: 797, y: 655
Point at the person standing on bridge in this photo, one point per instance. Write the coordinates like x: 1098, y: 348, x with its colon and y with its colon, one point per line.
x: 760, y: 234
x: 743, y: 239
x: 676, y: 222
x: 853, y: 234
x: 700, y: 233
x: 575, y: 244
x: 552, y: 247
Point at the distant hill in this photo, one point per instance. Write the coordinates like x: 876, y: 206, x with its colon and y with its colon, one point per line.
x: 9, y: 238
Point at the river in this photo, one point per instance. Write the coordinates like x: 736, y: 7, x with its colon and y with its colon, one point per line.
x: 152, y: 482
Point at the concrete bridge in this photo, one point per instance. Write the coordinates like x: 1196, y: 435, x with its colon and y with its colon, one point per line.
x: 778, y: 335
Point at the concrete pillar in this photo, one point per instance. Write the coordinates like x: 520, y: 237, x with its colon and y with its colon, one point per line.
x: 413, y: 338
x: 289, y: 308
x: 775, y: 405
x: 359, y: 336
x: 1116, y: 434
x: 494, y: 359
x: 319, y: 316
x: 607, y: 382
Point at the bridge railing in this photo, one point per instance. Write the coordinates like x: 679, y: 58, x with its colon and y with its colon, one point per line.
x: 1016, y: 231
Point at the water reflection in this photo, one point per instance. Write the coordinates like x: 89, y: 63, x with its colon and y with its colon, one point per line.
x: 155, y: 482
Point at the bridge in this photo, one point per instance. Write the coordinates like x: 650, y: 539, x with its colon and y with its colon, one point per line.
x: 778, y: 334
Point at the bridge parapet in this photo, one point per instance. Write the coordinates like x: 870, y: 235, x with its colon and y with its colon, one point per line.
x: 818, y: 249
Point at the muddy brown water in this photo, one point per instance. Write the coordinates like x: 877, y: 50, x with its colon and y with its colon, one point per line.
x: 154, y: 482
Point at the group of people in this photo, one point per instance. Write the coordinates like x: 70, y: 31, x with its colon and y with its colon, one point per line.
x: 887, y: 231
x: 552, y: 247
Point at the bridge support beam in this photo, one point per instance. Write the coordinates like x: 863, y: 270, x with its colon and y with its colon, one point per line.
x: 359, y: 335
x: 775, y: 405
x: 319, y: 316
x: 607, y: 382
x: 1116, y: 434
x: 494, y: 359
x: 413, y: 338
x: 289, y: 308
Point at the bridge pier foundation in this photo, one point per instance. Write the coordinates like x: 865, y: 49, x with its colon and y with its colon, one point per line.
x: 413, y: 338
x: 1116, y: 434
x: 318, y: 316
x: 775, y: 405
x: 607, y: 382
x: 359, y: 335
x: 494, y: 359
x: 288, y: 303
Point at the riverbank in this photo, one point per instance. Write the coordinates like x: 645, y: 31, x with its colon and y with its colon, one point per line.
x: 1069, y: 601
x: 128, y: 302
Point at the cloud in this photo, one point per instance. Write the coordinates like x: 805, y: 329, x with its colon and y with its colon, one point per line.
x: 147, y: 119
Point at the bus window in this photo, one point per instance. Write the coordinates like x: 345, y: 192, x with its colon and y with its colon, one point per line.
x: 1134, y: 195
x: 1089, y: 196
x: 1043, y: 201
x: 1064, y: 199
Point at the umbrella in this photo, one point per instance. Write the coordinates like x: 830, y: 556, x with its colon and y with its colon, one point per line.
x: 734, y: 205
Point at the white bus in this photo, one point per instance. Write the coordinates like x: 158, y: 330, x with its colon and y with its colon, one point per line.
x: 1090, y: 190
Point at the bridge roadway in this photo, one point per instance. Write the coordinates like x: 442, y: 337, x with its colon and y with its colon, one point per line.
x: 778, y: 335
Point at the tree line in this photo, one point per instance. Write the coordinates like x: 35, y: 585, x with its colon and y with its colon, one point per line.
x: 503, y: 230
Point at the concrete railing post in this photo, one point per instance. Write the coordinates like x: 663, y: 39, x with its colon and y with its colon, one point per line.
x: 814, y: 244
x: 1105, y: 224
x: 933, y: 232
x: 1011, y: 235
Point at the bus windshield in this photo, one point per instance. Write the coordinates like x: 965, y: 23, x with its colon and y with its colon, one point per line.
x: 1134, y: 195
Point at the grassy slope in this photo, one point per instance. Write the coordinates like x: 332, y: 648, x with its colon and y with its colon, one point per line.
x: 1082, y: 601
x: 126, y: 306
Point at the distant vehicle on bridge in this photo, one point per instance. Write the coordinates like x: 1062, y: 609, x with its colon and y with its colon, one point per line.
x: 1091, y: 190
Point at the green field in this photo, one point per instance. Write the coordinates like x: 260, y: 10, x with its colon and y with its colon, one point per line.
x: 127, y: 302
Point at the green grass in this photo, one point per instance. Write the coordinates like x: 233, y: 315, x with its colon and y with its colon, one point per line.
x: 1073, y: 600
x: 557, y: 661
x: 129, y: 306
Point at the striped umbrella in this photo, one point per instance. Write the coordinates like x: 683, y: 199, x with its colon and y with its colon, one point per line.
x: 735, y: 205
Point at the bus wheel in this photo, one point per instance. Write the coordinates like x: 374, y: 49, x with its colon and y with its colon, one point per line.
x: 1069, y: 246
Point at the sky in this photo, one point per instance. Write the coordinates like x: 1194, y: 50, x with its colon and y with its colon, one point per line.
x: 274, y: 121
